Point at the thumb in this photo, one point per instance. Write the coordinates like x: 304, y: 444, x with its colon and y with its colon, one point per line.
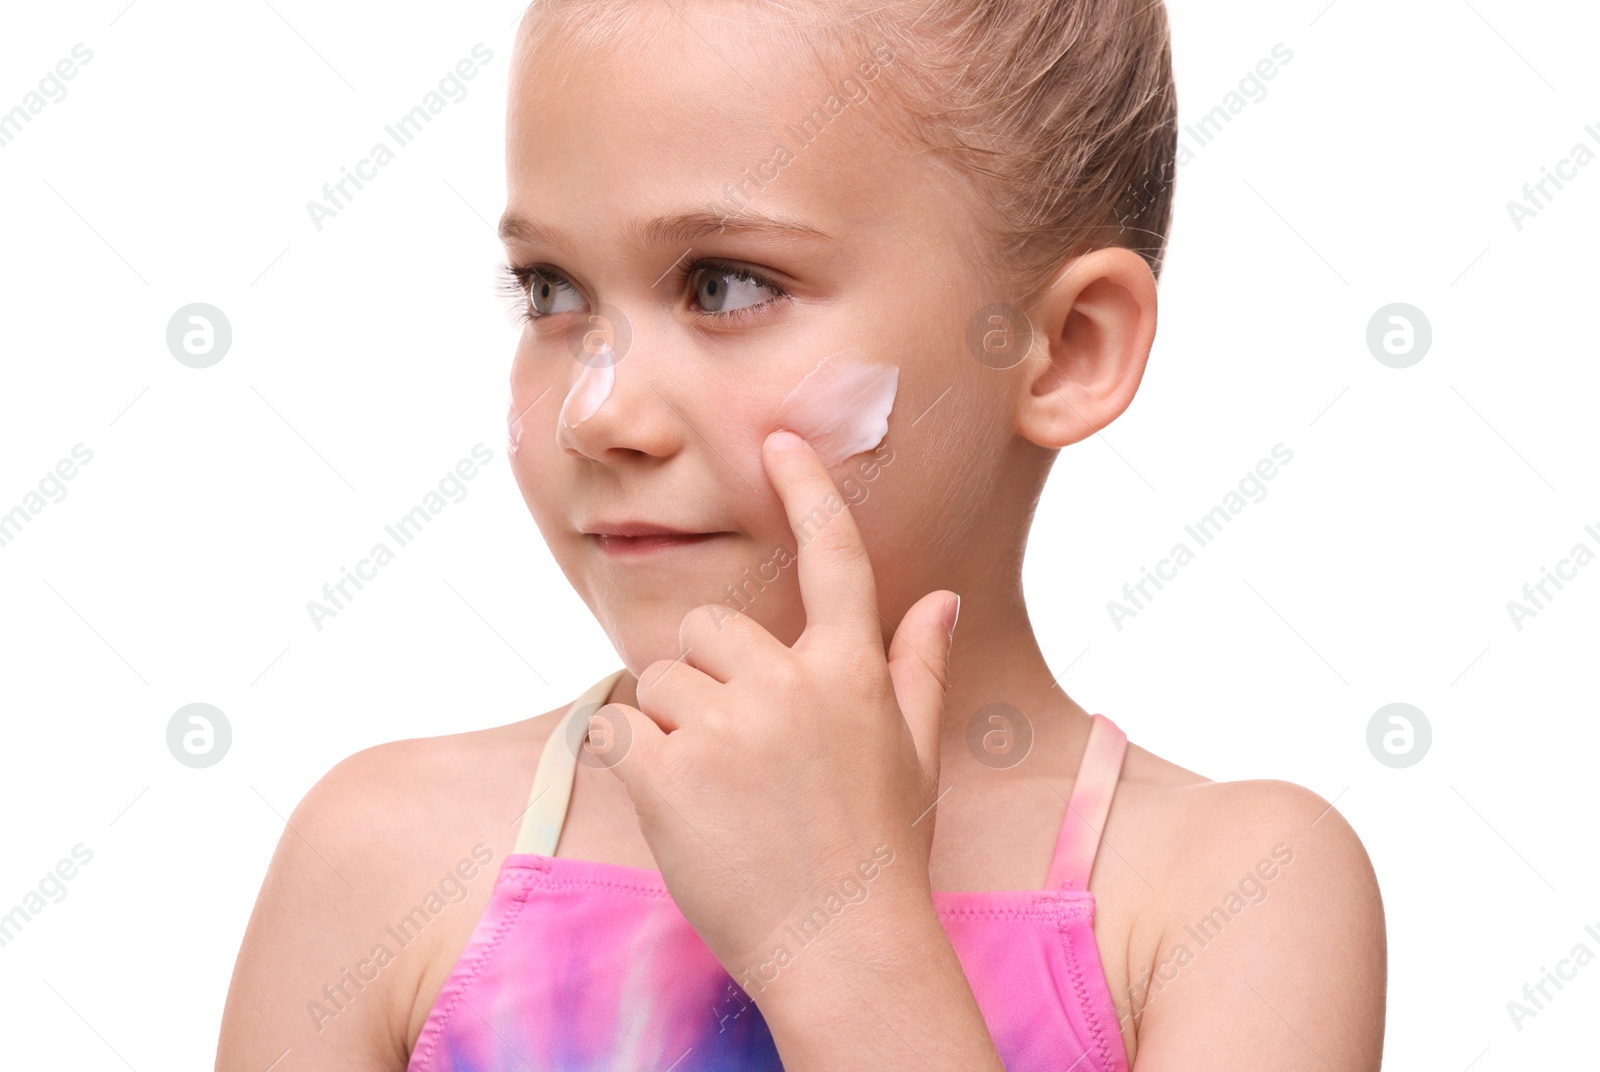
x: 622, y: 739
x: 919, y: 664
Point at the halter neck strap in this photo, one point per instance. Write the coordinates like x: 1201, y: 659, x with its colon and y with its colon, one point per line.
x: 552, y: 778
x: 1087, y: 807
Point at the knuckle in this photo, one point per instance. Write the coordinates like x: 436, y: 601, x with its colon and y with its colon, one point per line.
x: 840, y: 543
x: 651, y: 679
x: 725, y: 617
x: 786, y: 678
x: 704, y: 622
x: 711, y: 617
x: 839, y: 538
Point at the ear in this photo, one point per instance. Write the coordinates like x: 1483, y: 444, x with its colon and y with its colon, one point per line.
x: 1093, y: 327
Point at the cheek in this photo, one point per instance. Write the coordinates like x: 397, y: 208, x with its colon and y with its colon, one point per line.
x: 928, y: 489
x: 526, y: 387
x: 534, y: 402
x: 839, y: 402
x: 513, y: 427
x: 841, y: 406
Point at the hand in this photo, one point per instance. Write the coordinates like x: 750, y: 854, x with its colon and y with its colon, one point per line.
x: 767, y: 778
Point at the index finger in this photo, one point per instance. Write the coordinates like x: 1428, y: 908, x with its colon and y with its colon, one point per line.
x: 836, y: 583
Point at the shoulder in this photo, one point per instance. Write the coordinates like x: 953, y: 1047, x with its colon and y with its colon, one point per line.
x: 1284, y: 855
x: 390, y: 787
x: 1201, y: 840
x: 1191, y: 828
x: 410, y: 830
x: 1233, y: 818
x: 397, y: 805
x: 1264, y: 910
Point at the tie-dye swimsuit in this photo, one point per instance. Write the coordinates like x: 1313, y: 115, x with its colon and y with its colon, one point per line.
x: 579, y: 965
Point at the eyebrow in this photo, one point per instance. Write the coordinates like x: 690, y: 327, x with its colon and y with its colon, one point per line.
x: 673, y: 230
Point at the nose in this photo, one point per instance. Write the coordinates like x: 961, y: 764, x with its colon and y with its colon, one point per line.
x: 612, y: 408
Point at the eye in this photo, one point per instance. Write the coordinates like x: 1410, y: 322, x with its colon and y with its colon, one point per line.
x: 536, y: 293
x: 545, y: 294
x: 727, y: 290
x: 721, y: 290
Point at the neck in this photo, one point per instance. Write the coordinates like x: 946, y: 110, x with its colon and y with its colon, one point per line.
x: 1001, y: 688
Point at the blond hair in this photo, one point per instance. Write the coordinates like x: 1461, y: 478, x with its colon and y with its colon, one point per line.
x: 1058, y: 117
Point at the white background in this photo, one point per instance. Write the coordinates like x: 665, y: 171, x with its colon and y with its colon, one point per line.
x: 369, y: 357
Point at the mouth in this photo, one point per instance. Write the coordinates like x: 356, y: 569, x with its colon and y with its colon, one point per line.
x: 634, y: 539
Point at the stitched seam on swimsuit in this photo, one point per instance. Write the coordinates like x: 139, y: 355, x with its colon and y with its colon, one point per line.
x: 459, y: 990
x: 1050, y: 910
x: 1096, y: 1028
x: 995, y: 913
x: 544, y: 878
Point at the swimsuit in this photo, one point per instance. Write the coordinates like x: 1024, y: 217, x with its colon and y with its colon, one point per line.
x: 579, y: 965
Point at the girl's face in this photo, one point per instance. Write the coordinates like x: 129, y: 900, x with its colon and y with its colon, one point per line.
x: 834, y: 240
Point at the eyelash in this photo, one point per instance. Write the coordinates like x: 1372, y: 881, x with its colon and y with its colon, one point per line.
x: 517, y: 279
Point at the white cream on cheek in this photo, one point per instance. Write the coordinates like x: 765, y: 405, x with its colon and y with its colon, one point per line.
x: 842, y: 406
x: 513, y: 427
x: 590, y: 390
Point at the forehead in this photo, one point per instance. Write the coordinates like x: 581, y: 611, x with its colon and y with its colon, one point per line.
x: 690, y: 108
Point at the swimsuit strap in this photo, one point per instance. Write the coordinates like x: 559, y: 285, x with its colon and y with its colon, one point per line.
x: 1087, y: 807
x: 552, y: 778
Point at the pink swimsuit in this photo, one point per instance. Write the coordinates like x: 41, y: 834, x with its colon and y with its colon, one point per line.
x: 580, y: 965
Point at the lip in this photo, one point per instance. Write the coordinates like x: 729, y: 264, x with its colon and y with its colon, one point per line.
x: 633, y: 538
x: 638, y: 528
x: 649, y: 545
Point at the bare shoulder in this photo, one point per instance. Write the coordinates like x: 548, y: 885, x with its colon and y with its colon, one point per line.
x: 1166, y: 813
x: 1260, y: 908
x: 376, y: 883
x: 446, y: 779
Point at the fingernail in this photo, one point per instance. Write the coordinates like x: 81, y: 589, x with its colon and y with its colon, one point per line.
x: 952, y: 611
x: 784, y: 440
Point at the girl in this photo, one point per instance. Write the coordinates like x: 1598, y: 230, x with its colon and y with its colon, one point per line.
x: 814, y: 297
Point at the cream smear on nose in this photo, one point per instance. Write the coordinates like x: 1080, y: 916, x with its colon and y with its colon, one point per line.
x: 590, y: 390
x: 842, y: 406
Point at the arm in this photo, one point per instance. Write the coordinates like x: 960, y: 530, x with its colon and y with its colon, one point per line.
x: 887, y: 995
x: 291, y: 1006
x: 1273, y: 952
x: 710, y: 765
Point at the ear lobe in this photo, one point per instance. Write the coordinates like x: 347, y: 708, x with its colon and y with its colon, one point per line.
x: 1094, y: 326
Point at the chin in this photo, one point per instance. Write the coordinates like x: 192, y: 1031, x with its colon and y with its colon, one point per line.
x: 641, y: 638
x: 641, y: 635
